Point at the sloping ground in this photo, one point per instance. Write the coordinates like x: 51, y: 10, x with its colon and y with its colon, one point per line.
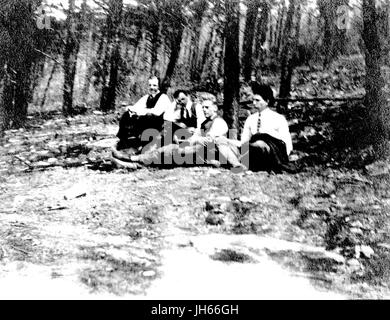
x: 72, y: 226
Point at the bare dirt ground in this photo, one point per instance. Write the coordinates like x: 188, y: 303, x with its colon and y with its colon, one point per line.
x: 71, y: 226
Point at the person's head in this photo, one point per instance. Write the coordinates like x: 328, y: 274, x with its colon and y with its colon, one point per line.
x: 263, y: 96
x: 210, y: 108
x: 181, y: 97
x: 153, y: 85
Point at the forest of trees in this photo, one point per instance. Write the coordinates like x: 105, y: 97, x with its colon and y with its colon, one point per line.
x: 99, y: 53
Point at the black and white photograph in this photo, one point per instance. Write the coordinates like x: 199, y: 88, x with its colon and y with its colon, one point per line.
x: 194, y: 150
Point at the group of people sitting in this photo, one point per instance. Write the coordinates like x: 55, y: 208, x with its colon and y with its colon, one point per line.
x: 155, y: 131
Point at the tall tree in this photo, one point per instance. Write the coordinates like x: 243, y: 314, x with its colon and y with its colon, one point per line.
x: 176, y: 20
x: 71, y: 50
x: 376, y: 102
x: 291, y: 35
x: 334, y: 36
x: 113, y: 56
x: 18, y: 39
x: 232, y: 64
x: 261, y: 33
x: 199, y: 8
x: 251, y: 15
x: 280, y: 26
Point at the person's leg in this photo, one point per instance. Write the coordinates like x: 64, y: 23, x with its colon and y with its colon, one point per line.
x: 255, y: 156
x: 190, y: 155
x: 127, y: 133
x: 228, y: 154
x: 159, y: 156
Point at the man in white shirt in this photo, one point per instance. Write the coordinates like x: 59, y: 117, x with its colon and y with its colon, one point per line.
x: 155, y: 103
x: 265, y: 141
x: 185, y: 112
x: 183, y: 115
x: 146, y: 113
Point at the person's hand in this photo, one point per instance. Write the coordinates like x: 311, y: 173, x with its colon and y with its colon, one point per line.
x: 262, y: 145
x: 191, y: 130
x: 130, y: 110
x: 221, y: 140
x: 181, y: 125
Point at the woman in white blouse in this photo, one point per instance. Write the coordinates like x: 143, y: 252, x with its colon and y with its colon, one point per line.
x: 265, y: 140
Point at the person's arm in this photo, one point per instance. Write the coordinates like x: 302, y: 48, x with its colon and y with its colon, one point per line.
x: 246, y: 132
x: 200, y: 117
x: 285, y: 134
x: 161, y: 106
x: 139, y: 107
x: 169, y: 114
x: 218, y: 129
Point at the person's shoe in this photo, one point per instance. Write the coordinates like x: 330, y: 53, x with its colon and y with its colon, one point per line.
x: 124, y: 154
x: 239, y: 169
x: 135, y: 158
x: 125, y: 165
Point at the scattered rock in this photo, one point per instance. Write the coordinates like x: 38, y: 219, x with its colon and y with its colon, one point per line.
x: 223, y: 199
x: 354, y: 263
x: 228, y: 255
x: 294, y: 158
x: 209, y: 206
x: 378, y: 168
x: 357, y: 224
x: 246, y: 199
x: 356, y: 231
x: 182, y: 241
x: 367, y: 251
x: 149, y: 274
x: 214, y: 219
x: 75, y: 192
x: 52, y: 160
x: 328, y: 256
x: 134, y: 234
x: 384, y: 245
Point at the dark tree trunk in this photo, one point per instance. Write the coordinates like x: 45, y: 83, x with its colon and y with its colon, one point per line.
x: 253, y: 8
x: 16, y: 61
x: 280, y: 27
x: 198, y: 18
x: 205, y: 55
x: 155, y: 43
x: 334, y: 37
x: 70, y: 60
x: 232, y: 64
x: 376, y: 102
x: 261, y: 35
x: 175, y: 43
x: 6, y: 104
x: 113, y: 57
x: 288, y: 51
